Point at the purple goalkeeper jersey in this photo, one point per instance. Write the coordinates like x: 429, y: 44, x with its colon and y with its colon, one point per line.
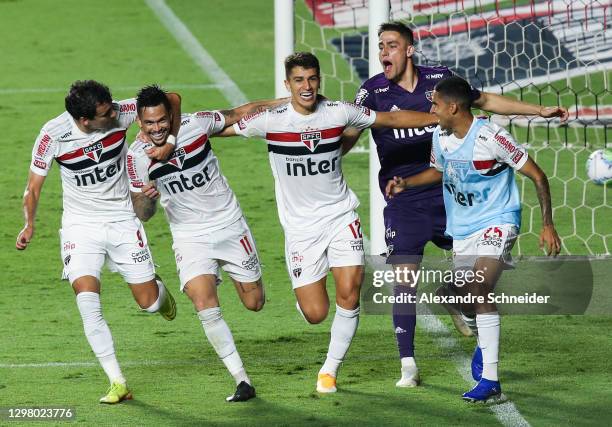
x: 404, y: 152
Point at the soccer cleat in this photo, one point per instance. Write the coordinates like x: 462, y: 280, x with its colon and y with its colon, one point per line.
x: 477, y: 364
x: 455, y: 314
x: 326, y: 383
x: 486, y: 391
x: 244, y: 392
x: 410, y: 377
x: 116, y: 393
x: 168, y: 308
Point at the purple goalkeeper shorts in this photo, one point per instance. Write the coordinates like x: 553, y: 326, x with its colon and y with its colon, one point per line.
x: 409, y: 225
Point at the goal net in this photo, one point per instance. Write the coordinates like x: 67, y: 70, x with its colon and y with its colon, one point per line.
x: 556, y: 52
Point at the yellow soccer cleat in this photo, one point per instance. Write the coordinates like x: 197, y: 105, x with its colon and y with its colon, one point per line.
x: 116, y: 393
x: 326, y: 383
x: 168, y: 308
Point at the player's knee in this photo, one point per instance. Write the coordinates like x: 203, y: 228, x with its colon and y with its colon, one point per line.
x: 348, y: 299
x: 254, y: 304
x: 315, y: 314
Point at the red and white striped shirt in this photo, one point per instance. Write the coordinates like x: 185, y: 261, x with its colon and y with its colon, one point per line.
x: 306, y: 160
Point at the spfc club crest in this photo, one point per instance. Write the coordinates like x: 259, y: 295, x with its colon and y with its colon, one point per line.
x: 311, y: 139
x: 297, y: 272
x: 178, y: 158
x: 457, y: 169
x: 94, y: 151
x: 429, y: 95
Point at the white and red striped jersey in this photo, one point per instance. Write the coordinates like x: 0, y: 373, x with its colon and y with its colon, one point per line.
x: 306, y: 159
x: 194, y: 193
x: 92, y: 166
x: 495, y: 149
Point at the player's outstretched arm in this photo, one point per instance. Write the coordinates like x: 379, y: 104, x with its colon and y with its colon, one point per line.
x: 145, y: 202
x: 30, y: 203
x: 427, y: 177
x: 404, y: 119
x: 163, y: 152
x: 548, y: 235
x: 499, y: 104
x: 235, y: 114
x: 349, y: 138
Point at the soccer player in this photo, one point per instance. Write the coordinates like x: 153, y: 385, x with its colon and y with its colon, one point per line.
x: 475, y: 161
x: 416, y: 216
x: 207, y: 224
x: 315, y: 206
x: 98, y: 222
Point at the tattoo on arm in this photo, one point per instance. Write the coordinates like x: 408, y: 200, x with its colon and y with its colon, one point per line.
x: 543, y: 191
x: 144, y: 207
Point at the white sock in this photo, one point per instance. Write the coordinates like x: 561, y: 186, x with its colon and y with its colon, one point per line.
x: 343, y: 330
x: 161, y: 297
x: 98, y: 334
x: 488, y: 340
x: 471, y: 322
x: 408, y: 362
x: 220, y: 337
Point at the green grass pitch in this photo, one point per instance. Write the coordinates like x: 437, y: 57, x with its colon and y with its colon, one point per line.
x: 556, y: 369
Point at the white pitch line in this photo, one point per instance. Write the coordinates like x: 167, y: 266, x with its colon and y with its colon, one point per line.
x: 200, y: 56
x: 507, y: 413
x: 10, y: 91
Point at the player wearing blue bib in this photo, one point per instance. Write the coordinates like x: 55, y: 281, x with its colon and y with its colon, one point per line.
x: 416, y: 216
x: 475, y: 161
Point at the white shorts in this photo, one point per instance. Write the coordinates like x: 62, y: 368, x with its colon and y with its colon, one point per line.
x: 232, y: 248
x: 122, y: 245
x: 492, y: 242
x: 310, y: 256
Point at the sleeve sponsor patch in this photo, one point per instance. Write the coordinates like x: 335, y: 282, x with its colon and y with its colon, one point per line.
x: 504, y: 143
x: 127, y: 108
x: 43, y: 146
x: 204, y: 114
x: 40, y: 164
x: 361, y: 96
x: 217, y: 117
x: 517, y: 157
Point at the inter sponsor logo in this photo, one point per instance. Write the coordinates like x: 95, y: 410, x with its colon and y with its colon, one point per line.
x: 412, y: 132
x: 311, y: 167
x: 467, y: 198
x: 185, y: 183
x: 98, y: 174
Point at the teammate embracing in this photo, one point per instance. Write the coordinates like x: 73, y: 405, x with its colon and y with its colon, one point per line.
x: 315, y: 206
x: 208, y: 229
x: 98, y: 222
x: 416, y: 216
x: 475, y: 160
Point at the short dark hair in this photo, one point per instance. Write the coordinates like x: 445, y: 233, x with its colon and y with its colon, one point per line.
x: 398, y: 27
x: 301, y: 59
x: 456, y: 89
x: 84, y: 96
x: 152, y: 96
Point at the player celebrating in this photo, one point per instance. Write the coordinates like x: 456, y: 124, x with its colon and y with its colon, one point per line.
x: 98, y: 222
x: 416, y: 216
x: 208, y: 228
x: 315, y: 206
x: 475, y: 160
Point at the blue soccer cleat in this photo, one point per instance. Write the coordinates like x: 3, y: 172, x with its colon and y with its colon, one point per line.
x: 486, y: 391
x: 477, y: 364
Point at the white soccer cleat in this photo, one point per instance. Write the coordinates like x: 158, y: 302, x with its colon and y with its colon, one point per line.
x: 410, y: 377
